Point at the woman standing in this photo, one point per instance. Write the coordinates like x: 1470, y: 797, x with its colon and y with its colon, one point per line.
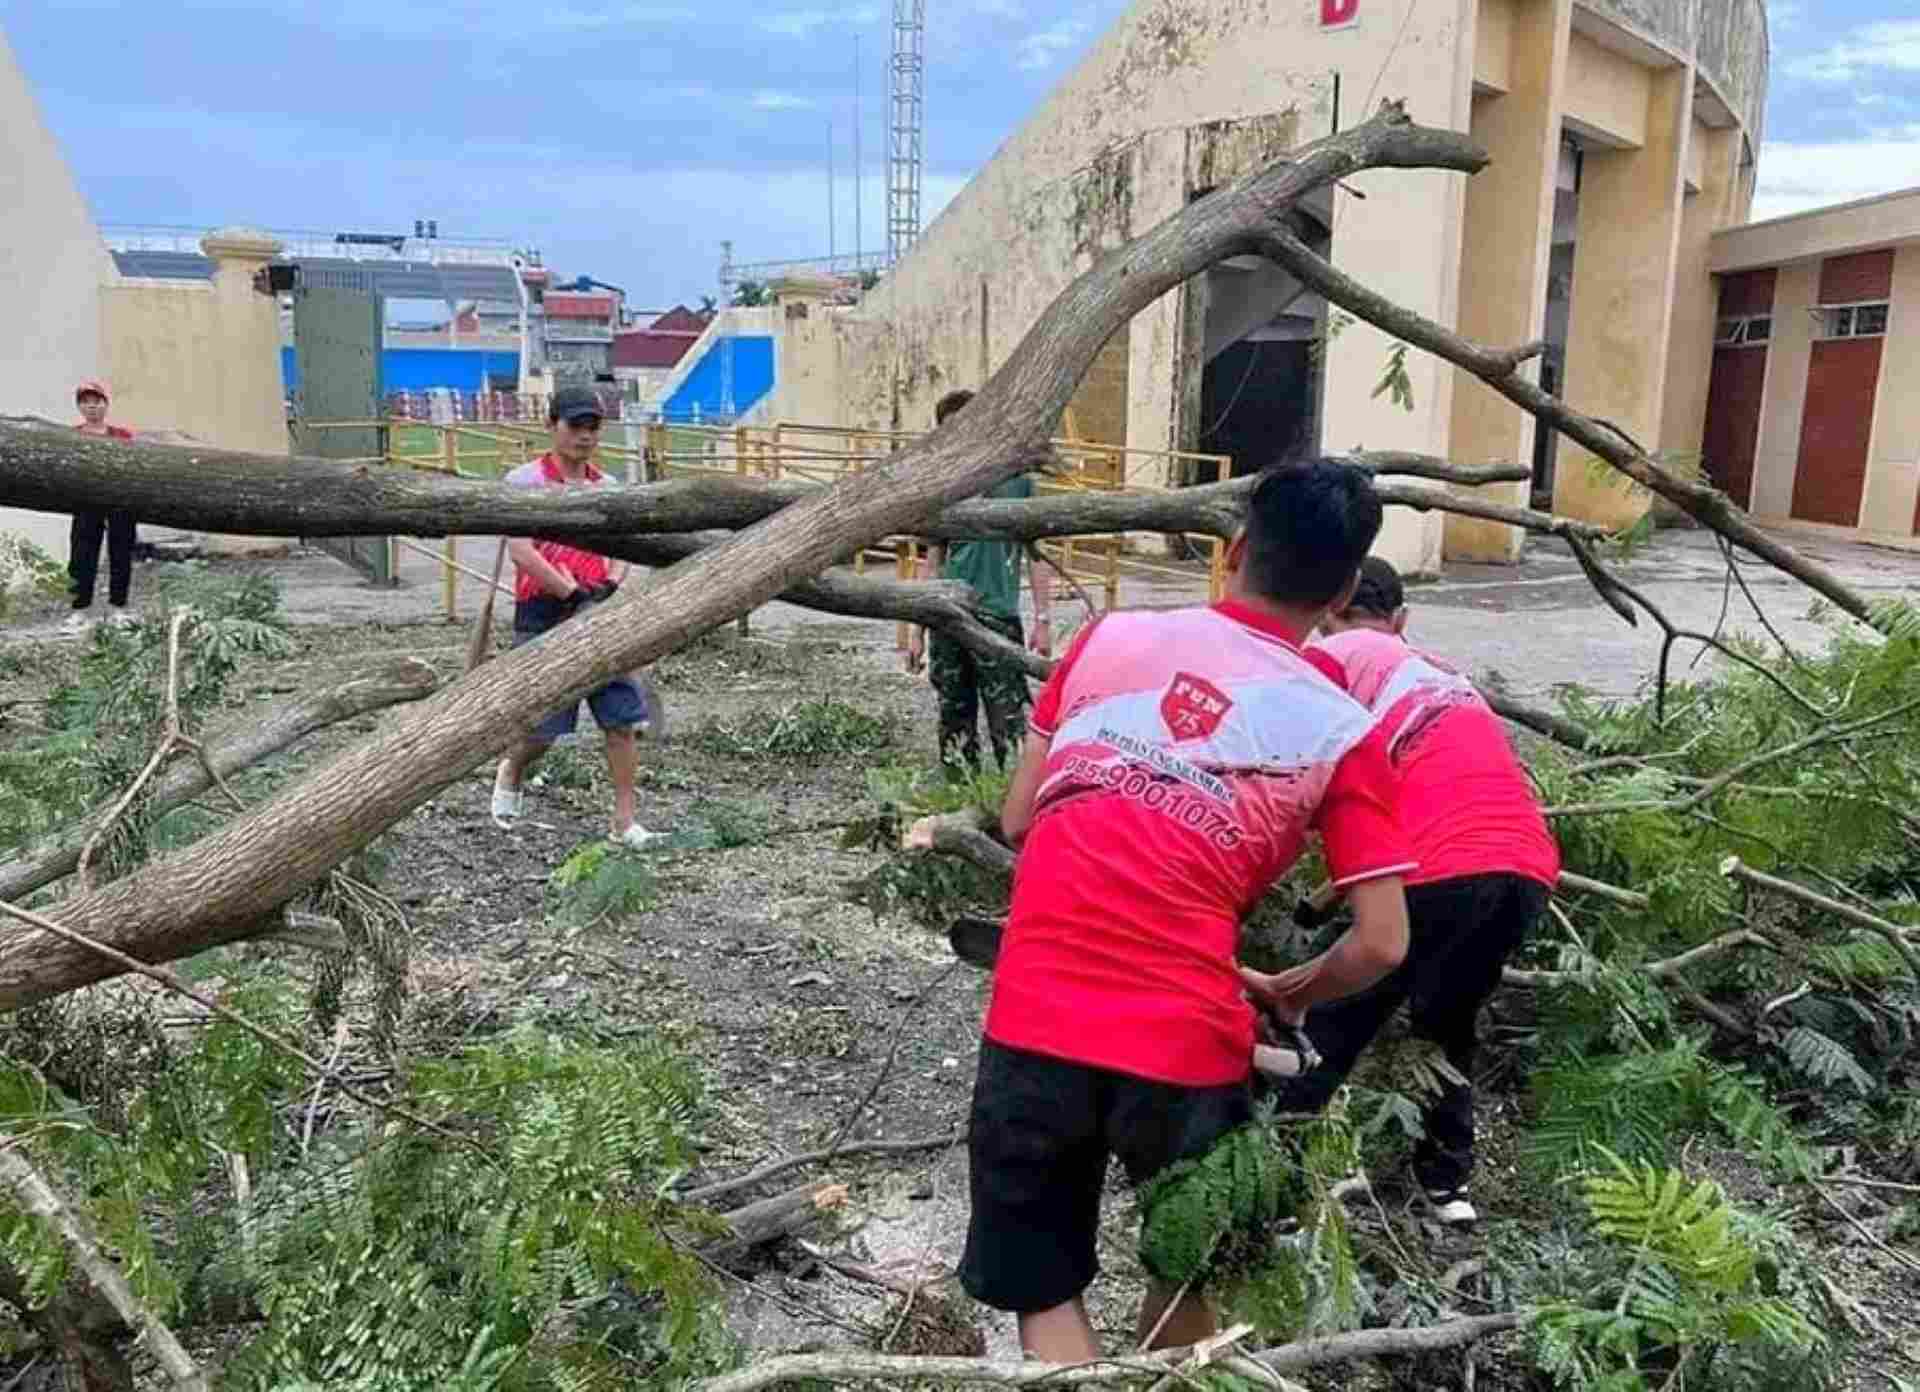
x: 83, y: 551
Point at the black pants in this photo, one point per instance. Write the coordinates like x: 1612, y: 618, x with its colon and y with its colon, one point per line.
x: 83, y: 555
x: 1462, y: 932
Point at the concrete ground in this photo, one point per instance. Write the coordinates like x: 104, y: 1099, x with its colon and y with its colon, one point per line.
x: 1536, y: 625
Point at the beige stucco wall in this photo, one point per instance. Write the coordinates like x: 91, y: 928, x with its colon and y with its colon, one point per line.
x: 1777, y: 451
x: 1503, y: 283
x: 1607, y: 92
x: 1493, y: 44
x: 1893, y: 469
x: 199, y: 357
x: 1715, y: 154
x: 1431, y: 68
x: 52, y: 265
x: 1618, y: 336
x: 1835, y: 231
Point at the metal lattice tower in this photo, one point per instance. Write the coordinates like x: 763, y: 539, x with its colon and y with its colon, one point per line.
x: 907, y: 126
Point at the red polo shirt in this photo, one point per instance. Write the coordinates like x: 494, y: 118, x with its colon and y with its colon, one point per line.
x: 590, y: 568
x: 1466, y: 804
x: 1190, y: 754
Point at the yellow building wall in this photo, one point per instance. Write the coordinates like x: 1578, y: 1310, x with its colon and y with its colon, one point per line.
x: 1777, y: 451
x: 1893, y: 467
x: 1493, y: 44
x: 1608, y: 92
x: 1715, y: 155
x: 1618, y: 336
x: 1503, y: 282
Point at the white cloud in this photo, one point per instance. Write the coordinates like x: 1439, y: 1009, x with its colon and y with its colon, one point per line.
x: 801, y: 24
x: 766, y: 99
x: 1890, y: 45
x: 1797, y: 176
x: 1043, y: 47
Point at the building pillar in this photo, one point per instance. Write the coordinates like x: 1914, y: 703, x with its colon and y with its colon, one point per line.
x: 1891, y: 506
x: 1696, y: 304
x: 250, y: 402
x: 1623, y: 279
x: 1503, y: 281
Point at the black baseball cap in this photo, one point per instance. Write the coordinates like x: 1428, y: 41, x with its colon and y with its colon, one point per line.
x: 571, y: 403
x: 1379, y: 591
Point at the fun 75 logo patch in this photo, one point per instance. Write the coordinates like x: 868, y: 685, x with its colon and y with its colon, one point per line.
x: 1193, y: 707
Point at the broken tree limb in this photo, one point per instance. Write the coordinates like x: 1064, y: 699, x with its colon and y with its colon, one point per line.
x: 1555, y: 727
x: 1663, y: 970
x: 1500, y: 371
x: 231, y: 750
x: 215, y: 890
x: 1735, y: 868
x: 780, y: 1216
x: 34, y: 1194
x: 1007, y: 1372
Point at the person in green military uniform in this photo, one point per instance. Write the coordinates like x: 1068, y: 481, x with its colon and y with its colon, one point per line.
x: 965, y: 683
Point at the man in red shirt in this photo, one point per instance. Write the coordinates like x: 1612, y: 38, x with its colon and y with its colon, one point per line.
x: 1175, y: 763
x: 83, y: 540
x: 1487, y: 862
x: 553, y: 582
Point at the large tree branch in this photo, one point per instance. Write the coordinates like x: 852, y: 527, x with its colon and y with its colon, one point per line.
x: 32, y: 1192
x: 1500, y: 371
x: 214, y: 891
x: 272, y: 495
x: 238, y: 746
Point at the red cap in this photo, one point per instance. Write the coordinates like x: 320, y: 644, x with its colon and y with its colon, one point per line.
x: 93, y: 385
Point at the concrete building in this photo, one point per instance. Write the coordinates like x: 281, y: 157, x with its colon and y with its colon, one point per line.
x: 1623, y: 134
x: 199, y: 358
x: 1813, y: 412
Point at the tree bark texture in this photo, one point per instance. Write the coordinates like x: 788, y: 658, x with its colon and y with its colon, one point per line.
x: 214, y: 891
x: 229, y: 751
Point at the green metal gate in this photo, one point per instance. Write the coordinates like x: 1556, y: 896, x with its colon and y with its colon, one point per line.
x: 338, y: 328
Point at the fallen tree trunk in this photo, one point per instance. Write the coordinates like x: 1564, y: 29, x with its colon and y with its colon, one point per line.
x: 274, y: 495
x: 238, y: 747
x: 214, y: 891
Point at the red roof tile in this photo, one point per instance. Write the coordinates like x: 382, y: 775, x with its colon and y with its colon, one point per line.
x: 564, y: 304
x: 680, y: 319
x: 651, y: 348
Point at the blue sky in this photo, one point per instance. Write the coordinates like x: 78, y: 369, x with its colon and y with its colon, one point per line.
x: 626, y: 138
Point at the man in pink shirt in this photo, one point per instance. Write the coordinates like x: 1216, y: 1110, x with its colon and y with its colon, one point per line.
x: 553, y: 582
x: 1174, y: 765
x: 1487, y: 862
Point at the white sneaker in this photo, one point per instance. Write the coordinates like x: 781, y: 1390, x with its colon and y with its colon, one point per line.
x: 79, y: 623
x: 1450, y: 1206
x: 507, y: 804
x: 636, y: 837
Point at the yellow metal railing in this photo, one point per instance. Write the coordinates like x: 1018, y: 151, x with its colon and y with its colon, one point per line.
x: 813, y: 454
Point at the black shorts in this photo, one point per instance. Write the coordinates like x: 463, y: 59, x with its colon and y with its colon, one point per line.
x: 1043, y: 1130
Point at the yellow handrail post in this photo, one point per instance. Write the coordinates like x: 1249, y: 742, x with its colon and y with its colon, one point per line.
x: 904, y: 565
x: 449, y: 575
x: 744, y: 627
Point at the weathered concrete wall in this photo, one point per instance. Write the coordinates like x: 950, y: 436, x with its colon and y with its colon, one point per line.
x: 1731, y: 47
x: 52, y: 265
x: 1607, y: 93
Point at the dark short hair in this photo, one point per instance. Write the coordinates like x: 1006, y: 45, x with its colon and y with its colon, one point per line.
x: 948, y: 404
x: 1309, y: 526
x: 1380, y: 591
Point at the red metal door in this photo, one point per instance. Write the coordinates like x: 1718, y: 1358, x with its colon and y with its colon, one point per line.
x: 1735, y: 395
x: 1836, y: 430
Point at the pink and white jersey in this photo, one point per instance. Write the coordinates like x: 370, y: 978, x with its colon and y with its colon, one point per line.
x: 1467, y: 805
x: 1190, y: 753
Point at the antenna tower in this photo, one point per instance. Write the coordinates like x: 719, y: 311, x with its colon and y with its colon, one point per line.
x: 908, y: 126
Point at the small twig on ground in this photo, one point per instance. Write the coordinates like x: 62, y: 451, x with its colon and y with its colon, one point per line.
x: 1864, y: 1230
x: 177, y: 984
x: 39, y: 1198
x: 709, y: 1192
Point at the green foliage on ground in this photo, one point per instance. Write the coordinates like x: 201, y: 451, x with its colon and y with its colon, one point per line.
x: 820, y: 728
